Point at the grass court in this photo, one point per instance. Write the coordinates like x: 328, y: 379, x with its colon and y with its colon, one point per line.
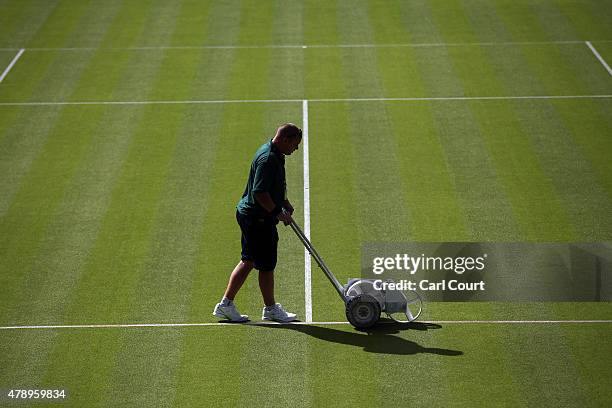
x: 126, y: 134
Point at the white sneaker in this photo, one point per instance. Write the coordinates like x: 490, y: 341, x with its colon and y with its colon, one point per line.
x: 278, y: 314
x: 229, y: 312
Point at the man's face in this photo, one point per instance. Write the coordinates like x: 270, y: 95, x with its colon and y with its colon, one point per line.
x: 291, y: 145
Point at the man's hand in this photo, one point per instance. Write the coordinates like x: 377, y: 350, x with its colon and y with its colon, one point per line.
x: 287, y: 206
x: 285, y: 217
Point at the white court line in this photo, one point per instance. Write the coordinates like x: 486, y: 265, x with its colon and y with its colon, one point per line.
x: 307, y: 260
x: 203, y: 102
x: 306, y: 46
x: 6, y: 71
x: 599, y: 57
x: 220, y: 324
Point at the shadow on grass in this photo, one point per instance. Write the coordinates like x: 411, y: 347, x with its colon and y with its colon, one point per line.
x: 378, y: 339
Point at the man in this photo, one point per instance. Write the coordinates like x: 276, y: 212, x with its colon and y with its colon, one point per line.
x: 258, y: 212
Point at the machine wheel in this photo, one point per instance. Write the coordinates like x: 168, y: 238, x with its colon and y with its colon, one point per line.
x: 362, y: 311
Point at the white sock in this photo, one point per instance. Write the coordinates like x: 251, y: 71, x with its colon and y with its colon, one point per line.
x: 225, y: 301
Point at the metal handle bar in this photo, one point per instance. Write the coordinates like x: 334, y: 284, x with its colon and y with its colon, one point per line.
x: 298, y: 231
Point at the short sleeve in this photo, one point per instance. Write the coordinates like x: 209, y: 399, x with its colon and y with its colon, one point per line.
x: 264, y: 176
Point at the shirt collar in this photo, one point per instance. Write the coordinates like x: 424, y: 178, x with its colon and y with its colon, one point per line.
x: 275, y: 150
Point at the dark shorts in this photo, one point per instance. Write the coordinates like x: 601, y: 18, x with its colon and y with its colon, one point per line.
x: 259, y: 241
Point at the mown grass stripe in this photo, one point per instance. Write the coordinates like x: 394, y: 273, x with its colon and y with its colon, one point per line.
x: 72, y: 225
x: 379, y: 182
x: 170, y: 264
x: 217, y: 224
x: 537, y: 384
x: 332, y: 215
x: 93, y: 24
x: 193, y: 23
x: 128, y: 25
x: 531, y: 194
x: 7, y: 118
x: 286, y: 376
x: 575, y: 180
x: 519, y: 17
x: 592, y: 361
x: 590, y: 130
x: 547, y: 199
x: 591, y: 78
x: 23, y: 20
x: 220, y: 246
x: 59, y: 24
x: 31, y: 161
x: 490, y: 81
x: 464, y: 348
x: 561, y: 365
x: 432, y: 206
x: 432, y: 386
x: 279, y: 72
x: 10, y: 14
x: 26, y: 138
x: 286, y: 75
x: 326, y: 172
x: 398, y: 228
x: 387, y: 23
x: 154, y: 289
x: 111, y: 298
x: 434, y: 209
x: 589, y: 121
x: 556, y: 23
x: 484, y: 200
x: 251, y: 67
x: 350, y: 204
x: 288, y: 23
x: 6, y: 56
x: 586, y: 17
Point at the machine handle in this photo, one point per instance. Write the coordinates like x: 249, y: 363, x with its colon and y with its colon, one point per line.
x: 313, y: 252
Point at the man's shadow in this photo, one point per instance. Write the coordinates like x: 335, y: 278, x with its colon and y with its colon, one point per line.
x: 379, y: 339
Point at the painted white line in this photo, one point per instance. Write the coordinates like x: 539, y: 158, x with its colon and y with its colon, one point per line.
x: 463, y: 98
x: 305, y: 46
x: 187, y: 102
x: 307, y: 260
x: 6, y: 71
x: 515, y: 321
x: 220, y: 324
x: 599, y: 57
x: 408, y: 99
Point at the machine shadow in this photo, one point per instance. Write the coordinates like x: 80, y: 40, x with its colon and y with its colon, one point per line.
x: 378, y: 339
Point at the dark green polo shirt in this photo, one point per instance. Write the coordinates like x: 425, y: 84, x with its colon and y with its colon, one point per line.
x: 267, y: 174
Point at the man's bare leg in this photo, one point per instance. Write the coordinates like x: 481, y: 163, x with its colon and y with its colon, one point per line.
x: 237, y: 278
x: 266, y: 284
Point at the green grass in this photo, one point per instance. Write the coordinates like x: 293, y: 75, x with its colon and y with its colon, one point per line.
x: 125, y: 213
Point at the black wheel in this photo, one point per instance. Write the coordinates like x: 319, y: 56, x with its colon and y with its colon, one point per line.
x: 362, y: 311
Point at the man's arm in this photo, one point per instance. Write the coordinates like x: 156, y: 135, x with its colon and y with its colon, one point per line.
x: 265, y: 200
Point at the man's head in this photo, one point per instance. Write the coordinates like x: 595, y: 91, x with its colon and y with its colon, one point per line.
x: 287, y: 138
